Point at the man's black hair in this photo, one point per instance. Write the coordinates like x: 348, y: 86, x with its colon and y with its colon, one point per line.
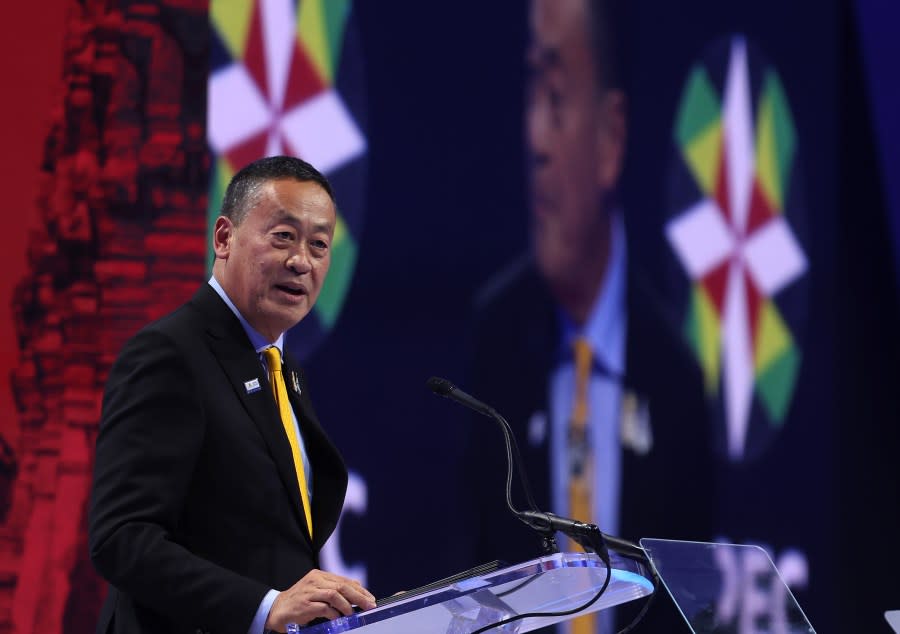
x: 246, y: 183
x: 604, y: 26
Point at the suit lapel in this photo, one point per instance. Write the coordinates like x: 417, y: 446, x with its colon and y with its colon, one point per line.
x: 540, y: 340
x: 326, y: 464
x: 241, y: 364
x: 261, y: 407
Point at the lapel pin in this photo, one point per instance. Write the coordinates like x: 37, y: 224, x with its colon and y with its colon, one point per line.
x: 537, y: 429
x: 636, y: 432
x: 252, y: 386
x: 295, y: 381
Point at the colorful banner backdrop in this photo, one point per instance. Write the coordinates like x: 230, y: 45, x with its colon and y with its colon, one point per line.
x: 735, y: 212
x: 274, y: 89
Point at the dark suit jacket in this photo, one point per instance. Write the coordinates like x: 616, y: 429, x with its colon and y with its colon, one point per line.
x: 666, y: 492
x: 195, y: 509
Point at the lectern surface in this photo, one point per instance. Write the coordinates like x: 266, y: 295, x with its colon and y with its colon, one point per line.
x: 553, y: 583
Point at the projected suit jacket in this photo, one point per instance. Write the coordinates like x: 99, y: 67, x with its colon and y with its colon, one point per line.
x: 195, y: 509
x: 665, y: 492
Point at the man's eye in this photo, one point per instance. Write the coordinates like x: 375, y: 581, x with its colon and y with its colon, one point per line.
x: 320, y: 244
x: 284, y: 235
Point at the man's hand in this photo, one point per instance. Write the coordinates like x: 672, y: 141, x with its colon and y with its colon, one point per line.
x: 318, y: 594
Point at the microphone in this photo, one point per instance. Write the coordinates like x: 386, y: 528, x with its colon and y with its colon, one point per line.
x: 443, y: 387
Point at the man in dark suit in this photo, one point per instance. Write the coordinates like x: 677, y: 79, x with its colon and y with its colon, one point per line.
x: 570, y: 343
x: 215, y: 486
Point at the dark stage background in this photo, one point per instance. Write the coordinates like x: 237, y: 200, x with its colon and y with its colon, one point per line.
x: 107, y: 171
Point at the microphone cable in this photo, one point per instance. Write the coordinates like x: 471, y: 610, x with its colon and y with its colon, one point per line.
x: 530, y: 615
x: 625, y: 630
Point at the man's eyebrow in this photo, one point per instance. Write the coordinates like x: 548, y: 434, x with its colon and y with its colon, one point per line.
x: 323, y: 226
x: 283, y: 217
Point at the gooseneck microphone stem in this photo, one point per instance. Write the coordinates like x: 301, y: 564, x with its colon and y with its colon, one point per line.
x: 587, y: 535
x: 548, y: 524
x: 443, y: 387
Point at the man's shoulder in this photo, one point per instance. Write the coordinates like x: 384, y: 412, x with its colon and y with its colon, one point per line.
x: 187, y: 321
x: 514, y: 319
x: 507, y: 290
x: 658, y: 358
x: 179, y: 318
x: 653, y: 325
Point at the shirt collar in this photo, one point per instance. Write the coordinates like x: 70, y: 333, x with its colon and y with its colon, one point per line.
x: 605, y: 326
x: 259, y: 342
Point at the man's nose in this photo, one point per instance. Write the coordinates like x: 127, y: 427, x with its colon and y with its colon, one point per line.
x: 299, y: 262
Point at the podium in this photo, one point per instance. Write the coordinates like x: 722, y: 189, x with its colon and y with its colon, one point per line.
x: 553, y: 583
x: 699, y: 577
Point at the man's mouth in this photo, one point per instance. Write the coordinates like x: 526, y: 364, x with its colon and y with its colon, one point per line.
x: 296, y: 291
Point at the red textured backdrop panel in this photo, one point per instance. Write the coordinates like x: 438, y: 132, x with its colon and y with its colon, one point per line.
x: 116, y: 192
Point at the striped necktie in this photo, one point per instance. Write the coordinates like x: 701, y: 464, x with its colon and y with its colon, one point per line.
x: 276, y: 377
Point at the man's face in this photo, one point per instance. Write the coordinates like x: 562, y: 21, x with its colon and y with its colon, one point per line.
x: 273, y: 264
x: 574, y: 153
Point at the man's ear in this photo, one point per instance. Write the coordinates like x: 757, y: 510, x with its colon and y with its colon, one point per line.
x: 612, y: 134
x: 223, y: 234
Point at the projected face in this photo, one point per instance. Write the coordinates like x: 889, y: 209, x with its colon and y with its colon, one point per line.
x: 575, y: 135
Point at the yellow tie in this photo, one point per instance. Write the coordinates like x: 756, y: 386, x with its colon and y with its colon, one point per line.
x: 276, y: 378
x: 582, y: 473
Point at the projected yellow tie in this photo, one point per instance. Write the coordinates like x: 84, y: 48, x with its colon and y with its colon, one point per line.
x: 582, y: 473
x: 276, y: 378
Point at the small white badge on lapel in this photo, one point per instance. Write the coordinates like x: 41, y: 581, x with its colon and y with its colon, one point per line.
x: 635, y: 431
x: 295, y: 382
x: 537, y: 428
x: 252, y: 386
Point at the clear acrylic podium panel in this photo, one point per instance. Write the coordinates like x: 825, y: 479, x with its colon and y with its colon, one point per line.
x: 726, y: 588
x: 552, y: 583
